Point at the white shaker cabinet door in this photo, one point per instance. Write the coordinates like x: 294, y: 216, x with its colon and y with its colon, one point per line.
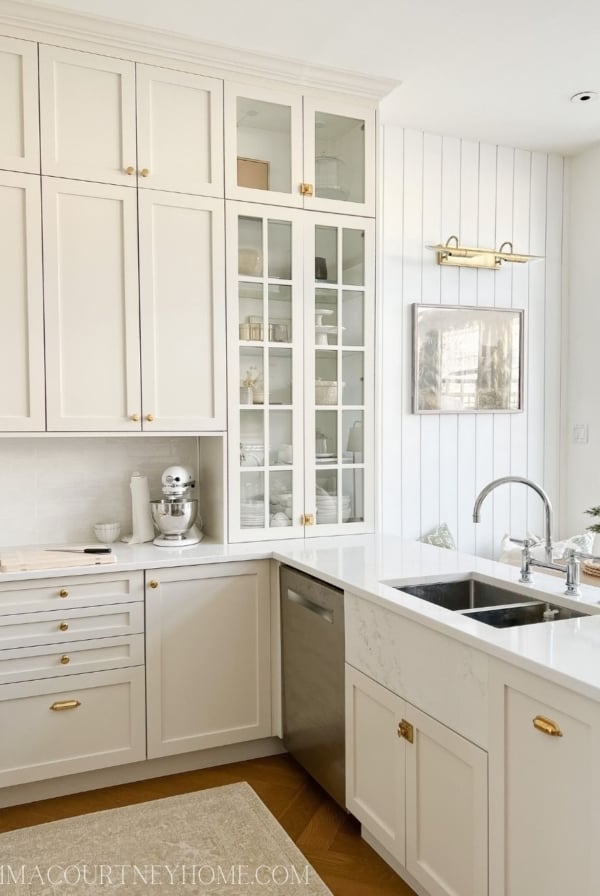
x: 207, y: 656
x: 179, y: 131
x: 87, y: 116
x: 21, y: 305
x: 182, y: 288
x: 92, y: 312
x: 19, y: 114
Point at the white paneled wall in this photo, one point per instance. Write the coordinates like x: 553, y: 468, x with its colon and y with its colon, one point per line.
x: 433, y: 466
x: 52, y: 490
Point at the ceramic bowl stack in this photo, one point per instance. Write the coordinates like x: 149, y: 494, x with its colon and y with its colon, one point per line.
x: 327, y: 508
x: 281, y: 509
x: 252, y: 514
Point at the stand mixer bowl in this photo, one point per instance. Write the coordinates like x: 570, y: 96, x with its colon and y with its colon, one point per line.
x: 174, y: 517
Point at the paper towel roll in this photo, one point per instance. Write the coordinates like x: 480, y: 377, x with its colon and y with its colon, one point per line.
x: 143, y: 528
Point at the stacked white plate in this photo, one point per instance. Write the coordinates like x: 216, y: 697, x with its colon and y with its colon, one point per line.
x: 327, y: 508
x: 252, y: 514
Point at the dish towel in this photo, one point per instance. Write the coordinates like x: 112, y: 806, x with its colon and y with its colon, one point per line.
x: 17, y: 561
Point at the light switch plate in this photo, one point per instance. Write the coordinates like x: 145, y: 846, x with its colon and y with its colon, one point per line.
x: 580, y: 433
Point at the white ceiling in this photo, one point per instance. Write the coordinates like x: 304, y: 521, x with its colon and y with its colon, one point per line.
x: 501, y: 72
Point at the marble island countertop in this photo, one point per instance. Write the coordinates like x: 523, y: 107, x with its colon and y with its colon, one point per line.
x: 566, y: 651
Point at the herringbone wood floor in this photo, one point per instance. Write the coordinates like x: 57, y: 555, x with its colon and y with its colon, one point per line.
x: 328, y: 837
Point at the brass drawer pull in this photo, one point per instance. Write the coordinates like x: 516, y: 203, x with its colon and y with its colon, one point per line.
x: 65, y: 660
x: 547, y: 726
x: 64, y: 626
x: 406, y: 730
x: 63, y: 592
x: 65, y: 704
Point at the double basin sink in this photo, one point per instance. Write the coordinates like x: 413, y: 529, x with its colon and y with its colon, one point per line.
x: 487, y: 603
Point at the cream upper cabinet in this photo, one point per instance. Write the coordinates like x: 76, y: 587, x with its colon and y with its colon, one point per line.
x: 544, y: 787
x: 301, y: 394
x: 22, y: 403
x: 19, y: 109
x: 179, y: 131
x: 285, y: 149
x: 91, y: 301
x: 94, y: 109
x: 87, y: 116
x: 207, y: 656
x: 418, y: 788
x: 182, y: 303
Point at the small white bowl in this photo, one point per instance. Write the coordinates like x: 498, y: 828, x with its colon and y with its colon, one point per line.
x: 107, y: 532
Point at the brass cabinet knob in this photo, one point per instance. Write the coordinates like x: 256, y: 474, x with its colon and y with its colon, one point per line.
x: 406, y: 730
x: 150, y: 418
x: 145, y: 172
x: 65, y: 660
x: 153, y: 583
x: 135, y: 418
x: 130, y: 170
x: 63, y: 592
x: 306, y: 189
x: 64, y: 626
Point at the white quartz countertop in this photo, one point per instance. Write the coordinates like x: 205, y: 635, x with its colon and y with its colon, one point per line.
x: 566, y: 651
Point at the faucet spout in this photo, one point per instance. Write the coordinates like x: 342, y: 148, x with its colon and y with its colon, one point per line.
x: 506, y: 480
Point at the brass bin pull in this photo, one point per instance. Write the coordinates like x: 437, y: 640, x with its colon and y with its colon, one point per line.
x: 65, y: 704
x: 547, y: 726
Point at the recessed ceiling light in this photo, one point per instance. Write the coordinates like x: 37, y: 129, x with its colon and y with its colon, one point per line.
x: 586, y: 96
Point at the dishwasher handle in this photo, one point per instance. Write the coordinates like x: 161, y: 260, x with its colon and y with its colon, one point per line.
x: 326, y: 615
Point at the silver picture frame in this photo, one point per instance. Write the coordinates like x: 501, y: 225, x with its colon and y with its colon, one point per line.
x: 467, y: 359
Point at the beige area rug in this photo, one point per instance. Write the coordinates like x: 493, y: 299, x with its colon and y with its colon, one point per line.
x: 220, y: 841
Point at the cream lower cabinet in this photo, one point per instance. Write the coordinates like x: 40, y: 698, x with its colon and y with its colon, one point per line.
x: 207, y: 656
x: 544, y: 787
x: 419, y: 788
x: 71, y: 676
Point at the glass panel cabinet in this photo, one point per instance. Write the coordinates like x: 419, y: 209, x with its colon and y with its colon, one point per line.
x: 300, y: 324
x: 285, y: 149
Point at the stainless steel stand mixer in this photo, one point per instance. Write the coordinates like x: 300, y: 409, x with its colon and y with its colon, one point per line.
x: 175, y: 514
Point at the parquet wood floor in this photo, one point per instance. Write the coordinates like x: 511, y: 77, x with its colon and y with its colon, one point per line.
x: 327, y: 836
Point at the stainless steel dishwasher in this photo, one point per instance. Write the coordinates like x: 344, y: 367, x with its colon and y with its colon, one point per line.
x: 312, y: 629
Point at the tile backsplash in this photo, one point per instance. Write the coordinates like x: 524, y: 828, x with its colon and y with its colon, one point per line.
x: 53, y: 490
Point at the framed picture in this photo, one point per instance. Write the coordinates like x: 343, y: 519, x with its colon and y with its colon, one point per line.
x: 467, y: 359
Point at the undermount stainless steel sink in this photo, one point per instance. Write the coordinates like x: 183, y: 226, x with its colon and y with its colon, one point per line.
x: 487, y: 603
x: 468, y: 594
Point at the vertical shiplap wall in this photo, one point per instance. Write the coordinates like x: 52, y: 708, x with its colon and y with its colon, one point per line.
x: 433, y: 466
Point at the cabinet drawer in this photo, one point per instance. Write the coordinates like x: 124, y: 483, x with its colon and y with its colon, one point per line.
x: 63, y: 627
x: 70, y: 591
x: 102, y: 724
x: 49, y: 661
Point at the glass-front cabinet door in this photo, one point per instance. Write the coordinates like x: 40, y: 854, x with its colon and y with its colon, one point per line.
x: 338, y: 359
x: 285, y: 149
x: 265, y: 317
x: 339, y: 157
x: 263, y: 140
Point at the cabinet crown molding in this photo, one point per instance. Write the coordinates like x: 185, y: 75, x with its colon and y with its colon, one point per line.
x: 46, y: 23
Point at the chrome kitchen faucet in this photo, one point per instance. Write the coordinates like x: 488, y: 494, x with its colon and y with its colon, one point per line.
x: 506, y: 480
